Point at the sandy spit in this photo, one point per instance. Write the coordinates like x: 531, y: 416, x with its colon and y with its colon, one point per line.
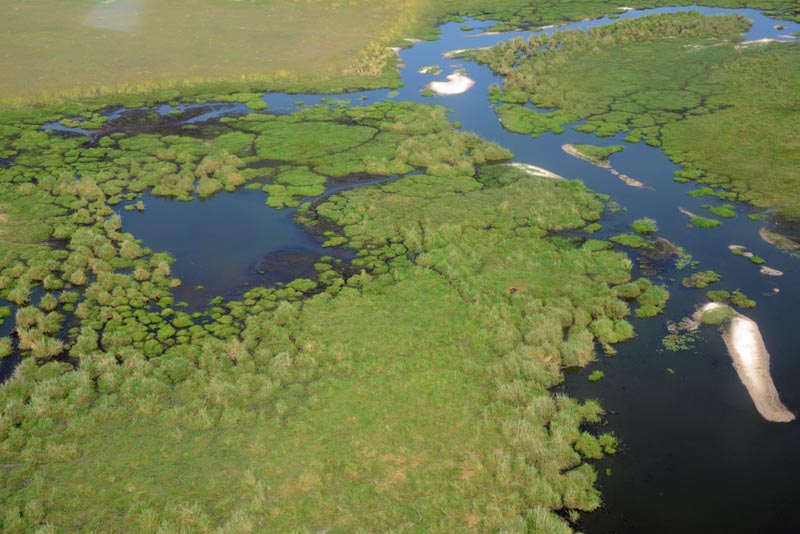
x: 686, y: 212
x: 572, y: 151
x: 769, y: 271
x: 456, y: 83
x: 485, y: 34
x: 765, y: 40
x: 533, y: 170
x: 751, y: 361
x: 632, y: 182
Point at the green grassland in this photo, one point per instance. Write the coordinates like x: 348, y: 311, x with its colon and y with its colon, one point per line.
x: 673, y: 81
x: 83, y: 48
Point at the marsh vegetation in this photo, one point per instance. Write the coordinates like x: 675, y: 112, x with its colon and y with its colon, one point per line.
x: 616, y: 79
x: 462, y: 293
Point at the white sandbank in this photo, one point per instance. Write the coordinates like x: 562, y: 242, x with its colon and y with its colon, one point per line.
x: 751, y: 361
x: 765, y: 40
x: 686, y: 212
x: 450, y: 54
x: 487, y: 34
x: 456, y: 83
x: 533, y: 170
x: 769, y: 271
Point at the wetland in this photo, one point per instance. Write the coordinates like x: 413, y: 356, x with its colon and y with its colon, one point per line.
x: 226, y: 312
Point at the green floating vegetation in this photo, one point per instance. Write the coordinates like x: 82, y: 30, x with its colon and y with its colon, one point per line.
x: 740, y: 300
x: 701, y: 280
x: 629, y: 240
x: 725, y: 211
x: 703, y: 222
x: 596, y: 376
x: 652, y: 301
x: 736, y: 298
x: 663, y: 80
x: 679, y: 342
x: 592, y: 228
x: 719, y: 295
x: 718, y: 316
x: 645, y: 226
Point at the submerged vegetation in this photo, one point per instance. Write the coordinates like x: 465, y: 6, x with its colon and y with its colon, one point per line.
x: 673, y: 80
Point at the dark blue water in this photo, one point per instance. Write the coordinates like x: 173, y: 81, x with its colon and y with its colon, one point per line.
x: 697, y: 456
x: 217, y: 242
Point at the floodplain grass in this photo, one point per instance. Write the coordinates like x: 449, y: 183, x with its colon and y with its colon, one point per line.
x: 84, y: 49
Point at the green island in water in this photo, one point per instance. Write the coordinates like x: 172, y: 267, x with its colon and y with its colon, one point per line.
x: 410, y: 389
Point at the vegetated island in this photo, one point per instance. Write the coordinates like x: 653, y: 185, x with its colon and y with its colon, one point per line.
x: 750, y: 358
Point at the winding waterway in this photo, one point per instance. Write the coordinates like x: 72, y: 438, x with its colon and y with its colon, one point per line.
x: 697, y: 456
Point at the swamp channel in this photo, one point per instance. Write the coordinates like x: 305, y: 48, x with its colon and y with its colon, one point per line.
x: 696, y: 454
